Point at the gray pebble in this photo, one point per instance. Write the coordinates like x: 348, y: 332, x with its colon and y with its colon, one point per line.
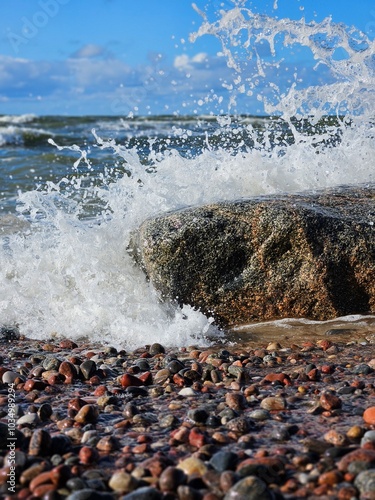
x: 51, y: 363
x: 144, y: 493
x: 9, y: 377
x: 29, y: 419
x: 249, y: 488
x: 260, y: 415
x: 365, y: 482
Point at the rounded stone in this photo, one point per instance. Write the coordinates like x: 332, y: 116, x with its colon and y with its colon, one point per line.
x: 156, y: 348
x: 88, y: 369
x: 192, y: 465
x: 123, y: 482
x: 87, y: 414
x: 249, y: 488
x: 329, y: 401
x: 369, y: 415
x: 273, y: 403
x: 171, y: 478
x: 260, y: 415
x: 239, y: 425
x: 224, y: 460
x: 365, y: 482
x: 51, y: 363
x: 9, y: 377
x: 108, y: 444
x: 335, y: 438
x: 368, y: 437
x: 235, y: 401
x: 29, y: 419
x: 40, y: 443
x: 355, y: 432
x: 88, y: 455
x: 144, y: 493
x: 198, y: 415
x: 162, y: 376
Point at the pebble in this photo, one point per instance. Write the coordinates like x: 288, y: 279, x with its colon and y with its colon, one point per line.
x: 224, y: 460
x: 9, y: 377
x: 249, y: 488
x: 235, y: 400
x: 87, y: 414
x: 40, y: 443
x: 369, y: 415
x: 336, y: 438
x: 365, y: 482
x: 187, y: 392
x: 89, y: 494
x: 355, y: 432
x: 192, y: 466
x: 260, y: 415
x: 29, y: 419
x: 368, y: 437
x: 171, y: 478
x: 123, y: 482
x: 198, y: 415
x: 359, y: 454
x: 68, y: 371
x: 51, y: 362
x: 329, y: 401
x: 88, y: 369
x: 88, y: 455
x: 144, y: 493
x: 239, y: 425
x: 273, y: 403
x: 156, y: 348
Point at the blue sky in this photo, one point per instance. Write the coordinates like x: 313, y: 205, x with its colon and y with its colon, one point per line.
x: 123, y: 56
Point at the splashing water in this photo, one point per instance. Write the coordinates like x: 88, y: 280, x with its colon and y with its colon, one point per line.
x: 67, y: 270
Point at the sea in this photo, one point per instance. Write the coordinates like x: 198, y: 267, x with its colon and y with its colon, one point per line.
x: 74, y: 188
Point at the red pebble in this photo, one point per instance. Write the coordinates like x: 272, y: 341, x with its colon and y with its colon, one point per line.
x: 280, y: 377
x: 369, y: 415
x: 34, y: 385
x: 68, y: 370
x: 128, y: 380
x: 68, y: 344
x: 330, y: 401
x: 179, y: 380
x: 101, y: 390
x: 146, y: 378
x: 94, y: 380
x: 197, y: 438
x: 359, y: 455
x: 88, y: 455
x: 141, y: 448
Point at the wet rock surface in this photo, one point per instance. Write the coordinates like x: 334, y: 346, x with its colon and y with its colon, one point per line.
x: 277, y: 421
x: 310, y: 256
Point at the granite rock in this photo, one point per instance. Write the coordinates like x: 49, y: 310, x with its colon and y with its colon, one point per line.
x: 301, y: 255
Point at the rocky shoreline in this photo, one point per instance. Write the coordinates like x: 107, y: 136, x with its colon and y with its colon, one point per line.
x: 273, y: 421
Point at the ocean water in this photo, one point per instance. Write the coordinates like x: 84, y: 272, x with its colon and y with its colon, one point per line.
x: 72, y: 189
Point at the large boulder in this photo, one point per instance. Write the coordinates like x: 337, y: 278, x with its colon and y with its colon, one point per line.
x: 303, y: 255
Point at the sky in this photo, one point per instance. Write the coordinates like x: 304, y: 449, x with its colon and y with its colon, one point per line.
x: 121, y: 57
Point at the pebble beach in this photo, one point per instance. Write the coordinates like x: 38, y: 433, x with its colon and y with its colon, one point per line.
x: 278, y: 420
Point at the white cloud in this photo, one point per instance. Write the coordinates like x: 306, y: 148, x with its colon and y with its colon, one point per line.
x: 185, y: 63
x: 89, y: 51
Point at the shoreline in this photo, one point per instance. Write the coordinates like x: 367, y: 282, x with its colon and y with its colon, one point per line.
x: 266, y: 421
